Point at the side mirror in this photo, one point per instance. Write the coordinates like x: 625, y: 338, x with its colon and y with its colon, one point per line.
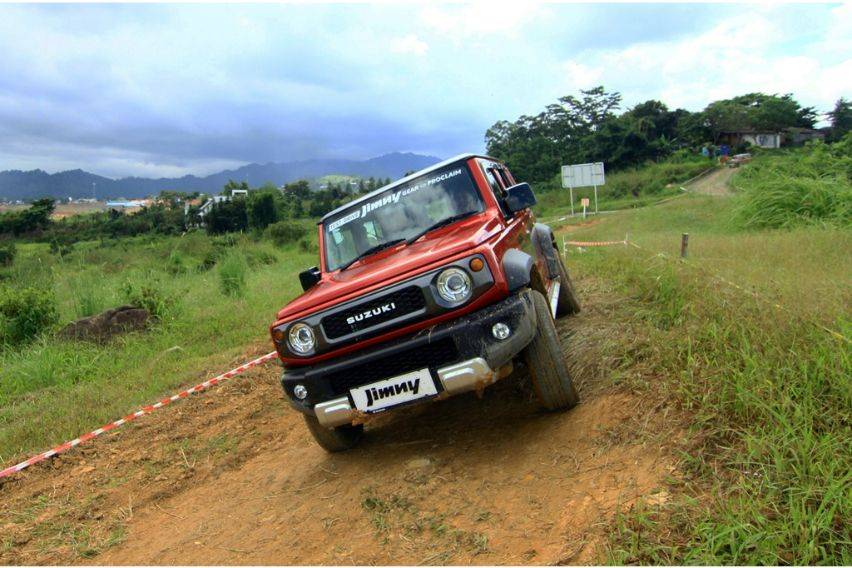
x: 308, y: 278
x: 519, y: 197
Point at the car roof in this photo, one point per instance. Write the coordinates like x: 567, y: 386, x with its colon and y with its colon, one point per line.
x: 418, y: 173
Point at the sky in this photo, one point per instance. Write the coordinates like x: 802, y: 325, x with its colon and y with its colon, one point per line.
x: 169, y: 90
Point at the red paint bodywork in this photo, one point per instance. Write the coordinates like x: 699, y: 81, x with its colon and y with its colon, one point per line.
x: 488, y: 233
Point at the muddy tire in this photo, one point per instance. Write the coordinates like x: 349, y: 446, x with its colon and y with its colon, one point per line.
x: 543, y: 356
x: 337, y: 439
x: 567, y: 304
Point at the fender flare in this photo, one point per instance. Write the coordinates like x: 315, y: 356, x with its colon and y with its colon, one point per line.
x: 542, y: 237
x: 517, y: 266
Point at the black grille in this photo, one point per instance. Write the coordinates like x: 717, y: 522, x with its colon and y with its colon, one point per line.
x: 433, y: 355
x: 405, y: 301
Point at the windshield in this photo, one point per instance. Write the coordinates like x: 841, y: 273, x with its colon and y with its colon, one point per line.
x: 400, y: 213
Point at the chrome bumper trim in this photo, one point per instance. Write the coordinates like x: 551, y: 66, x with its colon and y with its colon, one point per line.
x: 473, y: 374
x: 335, y: 412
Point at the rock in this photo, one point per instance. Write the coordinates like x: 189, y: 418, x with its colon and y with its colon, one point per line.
x: 84, y: 469
x: 418, y: 463
x: 658, y: 499
x: 107, y: 325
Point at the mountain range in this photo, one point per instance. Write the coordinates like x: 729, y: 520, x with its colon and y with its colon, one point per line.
x: 17, y: 184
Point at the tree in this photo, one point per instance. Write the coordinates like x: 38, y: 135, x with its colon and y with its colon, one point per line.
x: 300, y: 189
x: 34, y: 218
x: 757, y: 111
x: 262, y: 208
x: 232, y: 185
x: 227, y: 217
x: 840, y: 119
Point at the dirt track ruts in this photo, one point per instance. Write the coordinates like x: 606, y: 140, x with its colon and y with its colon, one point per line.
x: 232, y: 476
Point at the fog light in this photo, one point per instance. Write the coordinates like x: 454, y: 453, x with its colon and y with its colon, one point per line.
x: 300, y: 391
x: 500, y: 331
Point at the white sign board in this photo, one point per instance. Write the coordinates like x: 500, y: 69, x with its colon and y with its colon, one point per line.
x: 583, y: 175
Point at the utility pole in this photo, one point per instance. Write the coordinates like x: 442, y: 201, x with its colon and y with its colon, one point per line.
x: 94, y: 195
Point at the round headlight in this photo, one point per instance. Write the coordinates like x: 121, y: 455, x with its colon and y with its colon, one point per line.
x: 301, y: 338
x: 454, y: 285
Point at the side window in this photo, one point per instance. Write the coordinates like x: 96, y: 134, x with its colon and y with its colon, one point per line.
x: 497, y: 186
x: 506, y: 177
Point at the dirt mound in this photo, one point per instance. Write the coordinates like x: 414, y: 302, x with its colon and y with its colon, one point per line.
x: 233, y: 477
x: 108, y: 324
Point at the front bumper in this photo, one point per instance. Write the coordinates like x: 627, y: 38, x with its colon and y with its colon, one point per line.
x: 461, y: 355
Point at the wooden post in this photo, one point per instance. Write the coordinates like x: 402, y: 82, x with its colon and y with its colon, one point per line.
x: 684, y: 243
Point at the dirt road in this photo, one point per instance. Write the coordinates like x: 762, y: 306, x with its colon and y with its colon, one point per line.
x: 714, y: 183
x: 232, y: 476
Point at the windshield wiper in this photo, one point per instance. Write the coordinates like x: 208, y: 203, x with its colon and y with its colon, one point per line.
x: 372, y: 250
x: 441, y: 223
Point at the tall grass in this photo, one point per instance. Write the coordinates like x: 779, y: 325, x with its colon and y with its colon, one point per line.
x: 766, y: 392
x: 806, y: 186
x: 232, y: 274
x: 87, y: 293
x: 769, y: 476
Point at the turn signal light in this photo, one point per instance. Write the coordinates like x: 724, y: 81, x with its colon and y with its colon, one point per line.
x: 476, y: 264
x: 278, y: 335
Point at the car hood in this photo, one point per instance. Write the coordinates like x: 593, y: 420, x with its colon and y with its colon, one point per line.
x: 393, y: 265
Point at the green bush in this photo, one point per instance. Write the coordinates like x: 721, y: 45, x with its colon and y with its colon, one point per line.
x: 308, y: 245
x: 149, y: 296
x: 284, y: 232
x: 260, y: 258
x: 7, y: 254
x: 209, y: 261
x: 232, y: 274
x: 807, y: 186
x: 25, y: 313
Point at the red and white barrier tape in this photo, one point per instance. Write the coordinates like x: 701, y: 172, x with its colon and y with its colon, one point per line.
x: 139, y: 413
x: 594, y: 243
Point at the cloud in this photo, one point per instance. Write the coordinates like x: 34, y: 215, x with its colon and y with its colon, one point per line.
x: 175, y: 89
x: 409, y: 44
x: 736, y: 56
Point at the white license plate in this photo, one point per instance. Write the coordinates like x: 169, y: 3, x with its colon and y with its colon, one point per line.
x: 397, y: 390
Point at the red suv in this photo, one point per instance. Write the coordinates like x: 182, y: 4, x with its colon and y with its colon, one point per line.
x: 428, y: 287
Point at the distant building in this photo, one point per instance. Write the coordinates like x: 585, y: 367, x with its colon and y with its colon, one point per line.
x: 759, y: 138
x: 125, y: 204
x: 208, y: 205
x: 798, y: 136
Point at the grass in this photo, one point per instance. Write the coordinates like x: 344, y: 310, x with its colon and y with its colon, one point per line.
x: 811, y: 185
x: 53, y: 390
x: 767, y: 470
x: 624, y: 189
x: 394, y: 516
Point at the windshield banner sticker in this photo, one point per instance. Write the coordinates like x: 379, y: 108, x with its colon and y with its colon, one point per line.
x: 391, y: 198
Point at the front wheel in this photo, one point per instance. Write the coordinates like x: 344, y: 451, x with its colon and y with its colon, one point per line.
x: 567, y: 304
x: 337, y: 439
x: 543, y: 356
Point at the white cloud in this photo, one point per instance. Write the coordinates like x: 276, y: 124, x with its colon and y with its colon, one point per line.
x: 177, y: 87
x: 740, y: 55
x: 409, y: 44
x: 480, y: 18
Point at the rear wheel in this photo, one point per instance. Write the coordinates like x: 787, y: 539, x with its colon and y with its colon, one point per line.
x: 337, y: 439
x: 567, y: 304
x: 543, y: 356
